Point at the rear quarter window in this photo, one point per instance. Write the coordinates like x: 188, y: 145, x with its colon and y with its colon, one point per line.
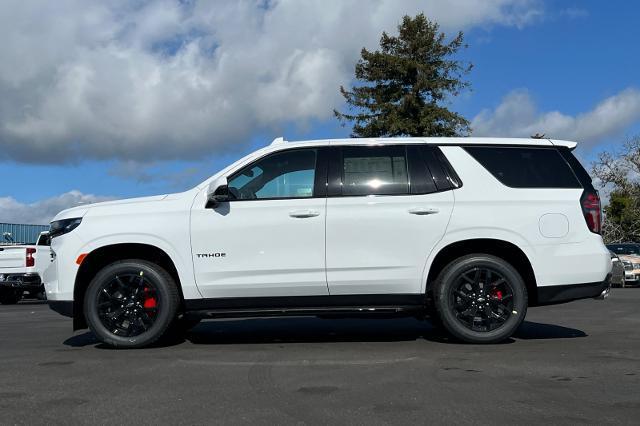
x: 526, y: 167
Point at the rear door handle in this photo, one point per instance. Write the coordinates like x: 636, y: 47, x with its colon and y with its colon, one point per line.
x: 304, y: 213
x: 421, y: 211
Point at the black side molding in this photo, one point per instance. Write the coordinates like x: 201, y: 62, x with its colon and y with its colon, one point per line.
x: 550, y: 295
x: 337, y: 306
x: 63, y: 307
x: 351, y: 300
x: 327, y: 311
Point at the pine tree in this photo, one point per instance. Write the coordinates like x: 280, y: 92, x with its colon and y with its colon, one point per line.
x: 404, y: 85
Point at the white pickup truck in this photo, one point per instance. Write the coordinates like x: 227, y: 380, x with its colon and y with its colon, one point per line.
x: 21, y: 268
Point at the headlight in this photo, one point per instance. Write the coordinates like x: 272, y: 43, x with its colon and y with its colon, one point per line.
x: 61, y: 227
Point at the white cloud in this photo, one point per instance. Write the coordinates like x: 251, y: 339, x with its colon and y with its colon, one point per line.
x: 41, y: 212
x: 175, y: 79
x: 154, y: 172
x: 517, y: 115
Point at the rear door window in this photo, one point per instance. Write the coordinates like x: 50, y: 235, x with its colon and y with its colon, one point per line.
x: 375, y: 170
x: 526, y: 167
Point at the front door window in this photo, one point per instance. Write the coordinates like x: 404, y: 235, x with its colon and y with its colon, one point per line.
x: 288, y: 174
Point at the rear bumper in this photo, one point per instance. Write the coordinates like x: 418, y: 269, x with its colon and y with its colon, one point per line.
x: 550, y: 295
x: 63, y: 307
x: 21, y: 281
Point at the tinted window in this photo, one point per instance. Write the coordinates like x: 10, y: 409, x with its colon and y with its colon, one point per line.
x: 624, y: 249
x: 526, y: 167
x: 287, y: 174
x: 451, y: 175
x: 443, y: 174
x: 580, y: 172
x: 44, y: 240
x: 374, y: 171
x: 421, y: 180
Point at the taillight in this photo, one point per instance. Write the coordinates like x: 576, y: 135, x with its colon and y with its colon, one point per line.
x: 31, y: 261
x: 590, y: 203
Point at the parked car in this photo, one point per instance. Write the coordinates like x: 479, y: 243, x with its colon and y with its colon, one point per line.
x: 625, y: 248
x: 629, y: 254
x: 21, y: 269
x: 471, y: 231
x: 617, y: 271
x: 631, y: 269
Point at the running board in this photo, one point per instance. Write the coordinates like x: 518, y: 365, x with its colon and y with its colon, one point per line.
x: 335, y: 311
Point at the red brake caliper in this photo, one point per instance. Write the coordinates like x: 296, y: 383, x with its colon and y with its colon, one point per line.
x: 497, y: 294
x: 149, y: 301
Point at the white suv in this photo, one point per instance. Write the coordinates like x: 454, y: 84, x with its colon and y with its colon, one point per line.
x: 469, y: 232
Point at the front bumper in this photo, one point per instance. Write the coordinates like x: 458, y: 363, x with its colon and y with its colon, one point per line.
x: 550, y: 295
x: 21, y: 281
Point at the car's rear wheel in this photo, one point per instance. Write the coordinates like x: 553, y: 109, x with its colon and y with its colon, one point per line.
x: 10, y: 296
x: 480, y: 298
x: 131, y: 303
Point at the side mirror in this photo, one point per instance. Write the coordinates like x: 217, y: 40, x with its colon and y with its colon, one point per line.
x: 218, y: 193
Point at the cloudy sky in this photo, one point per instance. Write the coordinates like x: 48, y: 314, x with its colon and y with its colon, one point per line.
x: 104, y: 99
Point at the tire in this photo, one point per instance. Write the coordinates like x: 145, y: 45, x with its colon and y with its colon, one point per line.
x: 504, y: 304
x: 131, y: 304
x: 10, y: 296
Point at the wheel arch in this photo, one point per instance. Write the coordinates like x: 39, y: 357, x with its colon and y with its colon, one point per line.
x: 105, y: 255
x: 506, y: 250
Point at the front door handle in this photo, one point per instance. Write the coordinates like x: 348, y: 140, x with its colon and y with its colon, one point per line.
x: 421, y: 211
x: 304, y: 213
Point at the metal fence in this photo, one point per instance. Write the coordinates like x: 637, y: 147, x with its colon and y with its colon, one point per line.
x: 13, y: 233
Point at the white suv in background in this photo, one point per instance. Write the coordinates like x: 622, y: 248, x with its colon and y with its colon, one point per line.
x: 467, y: 231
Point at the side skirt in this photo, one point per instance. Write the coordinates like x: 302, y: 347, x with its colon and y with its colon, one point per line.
x: 331, y: 306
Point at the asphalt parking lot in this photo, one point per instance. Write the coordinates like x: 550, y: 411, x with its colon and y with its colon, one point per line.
x: 573, y: 363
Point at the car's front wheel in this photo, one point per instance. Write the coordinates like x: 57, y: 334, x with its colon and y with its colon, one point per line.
x: 480, y: 298
x: 131, y: 303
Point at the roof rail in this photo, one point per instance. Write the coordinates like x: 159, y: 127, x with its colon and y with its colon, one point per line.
x: 278, y: 141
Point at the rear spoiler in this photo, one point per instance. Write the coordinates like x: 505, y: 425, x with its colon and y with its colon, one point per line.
x: 568, y: 144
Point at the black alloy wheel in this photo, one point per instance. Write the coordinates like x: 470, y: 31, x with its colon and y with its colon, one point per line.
x: 128, y: 304
x: 131, y: 304
x: 482, y: 299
